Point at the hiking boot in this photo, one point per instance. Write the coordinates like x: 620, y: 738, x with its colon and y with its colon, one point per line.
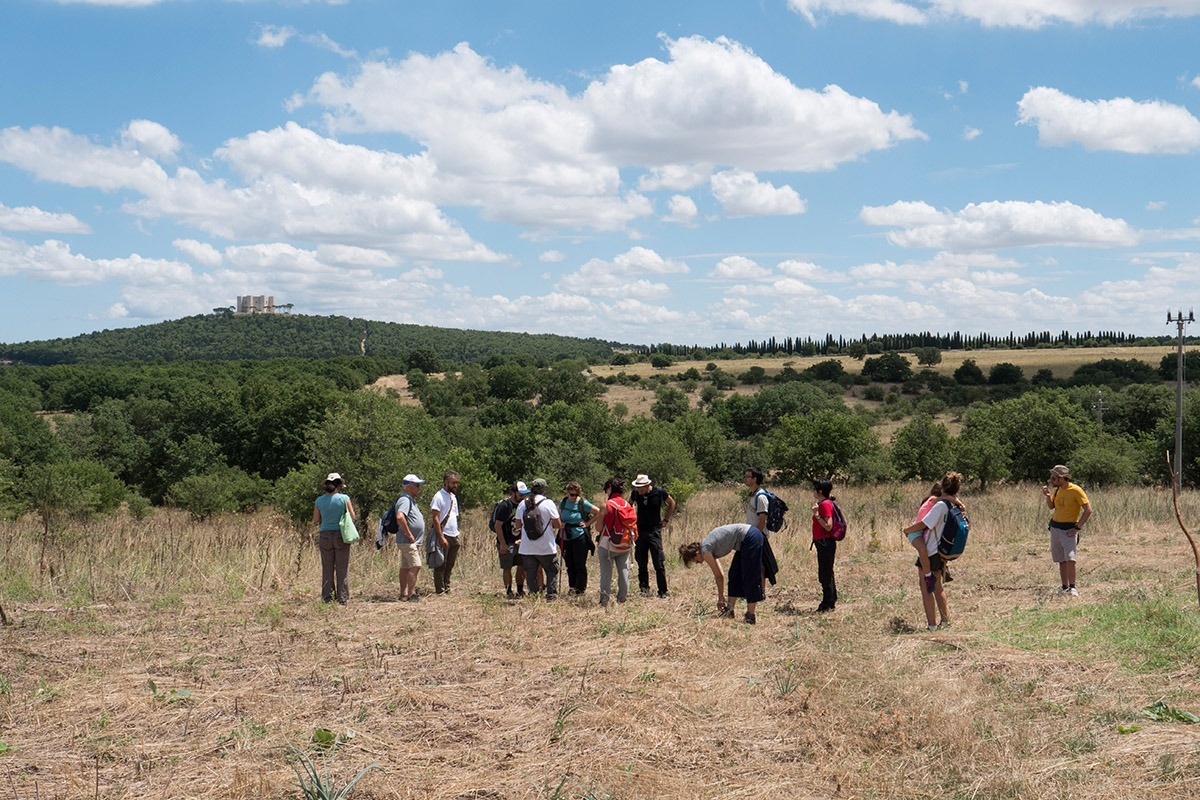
x: 930, y: 583
x: 751, y: 619
x: 726, y: 613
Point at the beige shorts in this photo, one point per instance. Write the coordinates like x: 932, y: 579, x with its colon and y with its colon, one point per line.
x: 1062, y: 546
x: 410, y: 555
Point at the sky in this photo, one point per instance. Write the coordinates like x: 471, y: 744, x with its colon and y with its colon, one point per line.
x: 684, y: 171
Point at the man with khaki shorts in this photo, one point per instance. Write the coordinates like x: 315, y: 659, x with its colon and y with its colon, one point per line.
x: 1071, y: 511
x: 409, y: 537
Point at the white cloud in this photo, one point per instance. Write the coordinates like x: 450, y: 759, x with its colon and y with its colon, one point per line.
x: 808, y: 271
x: 682, y: 209
x: 971, y: 134
x: 1156, y: 205
x: 741, y: 194
x: 1120, y: 124
x: 53, y: 261
x: 887, y: 10
x: 202, y: 253
x: 716, y: 102
x: 1009, y: 13
x: 30, y: 218
x: 552, y: 257
x: 274, y: 35
x: 738, y: 268
x: 1196, y: 81
x: 999, y: 224
x: 624, y: 274
x: 150, y: 138
x: 675, y: 177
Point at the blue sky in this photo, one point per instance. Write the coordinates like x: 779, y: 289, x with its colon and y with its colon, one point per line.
x: 682, y: 171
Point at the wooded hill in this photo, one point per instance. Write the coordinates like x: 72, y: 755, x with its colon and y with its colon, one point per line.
x: 225, y: 337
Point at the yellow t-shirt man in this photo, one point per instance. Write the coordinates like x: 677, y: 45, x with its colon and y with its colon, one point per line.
x: 1069, y: 501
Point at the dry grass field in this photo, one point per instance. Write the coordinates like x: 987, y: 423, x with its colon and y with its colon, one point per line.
x: 168, y: 659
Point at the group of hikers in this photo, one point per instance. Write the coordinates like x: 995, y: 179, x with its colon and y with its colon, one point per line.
x: 533, y: 533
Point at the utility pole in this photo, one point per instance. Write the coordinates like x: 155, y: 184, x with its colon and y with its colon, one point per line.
x: 1180, y: 321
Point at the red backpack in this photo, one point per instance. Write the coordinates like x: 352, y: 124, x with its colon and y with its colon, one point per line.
x: 620, y: 525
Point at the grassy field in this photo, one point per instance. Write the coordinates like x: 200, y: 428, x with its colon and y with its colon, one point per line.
x: 168, y: 659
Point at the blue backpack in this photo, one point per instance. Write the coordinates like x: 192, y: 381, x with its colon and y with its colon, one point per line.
x: 954, y: 533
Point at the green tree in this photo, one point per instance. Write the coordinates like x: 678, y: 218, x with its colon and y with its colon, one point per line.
x: 78, y: 489
x: 969, y: 374
x: 660, y: 361
x: 655, y: 450
x: 856, y: 350
x: 888, y: 368
x: 820, y: 445
x: 1042, y: 428
x: 981, y: 450
x: 921, y: 449
x: 1005, y: 374
x: 669, y: 404
x: 1106, y: 460
x: 928, y: 356
x: 707, y: 443
x: 512, y: 382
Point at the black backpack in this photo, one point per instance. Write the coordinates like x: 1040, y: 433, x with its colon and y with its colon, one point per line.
x: 389, y: 524
x: 776, y: 508
x: 531, y: 520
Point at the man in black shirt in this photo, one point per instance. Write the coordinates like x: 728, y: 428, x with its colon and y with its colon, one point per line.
x: 507, y: 539
x: 649, y: 500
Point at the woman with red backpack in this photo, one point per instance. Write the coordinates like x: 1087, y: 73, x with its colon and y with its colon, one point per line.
x: 616, y: 540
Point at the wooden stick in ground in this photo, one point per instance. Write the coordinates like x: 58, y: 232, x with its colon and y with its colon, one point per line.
x: 3, y: 617
x: 1182, y: 527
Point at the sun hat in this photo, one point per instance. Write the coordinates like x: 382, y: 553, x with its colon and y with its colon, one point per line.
x: 333, y: 477
x: 642, y: 480
x: 1060, y: 471
x: 539, y: 485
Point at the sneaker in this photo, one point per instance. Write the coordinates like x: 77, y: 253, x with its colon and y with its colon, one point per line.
x: 930, y: 583
x: 1061, y: 592
x: 751, y: 619
x: 931, y: 628
x: 726, y: 613
x: 664, y: 595
x: 824, y: 609
x: 943, y: 624
x: 1073, y: 591
x: 414, y: 598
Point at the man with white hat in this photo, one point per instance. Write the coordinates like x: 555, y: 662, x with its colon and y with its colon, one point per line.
x: 1071, y: 511
x: 409, y: 536
x: 650, y: 500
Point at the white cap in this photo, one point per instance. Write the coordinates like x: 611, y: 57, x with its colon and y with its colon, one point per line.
x: 332, y: 477
x: 522, y: 488
x: 411, y: 478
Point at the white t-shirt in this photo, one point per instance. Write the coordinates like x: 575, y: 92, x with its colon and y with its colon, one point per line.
x: 545, y: 545
x: 445, y: 501
x: 758, y: 504
x: 934, y: 521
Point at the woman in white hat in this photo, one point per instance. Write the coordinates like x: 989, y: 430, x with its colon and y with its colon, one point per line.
x: 335, y: 554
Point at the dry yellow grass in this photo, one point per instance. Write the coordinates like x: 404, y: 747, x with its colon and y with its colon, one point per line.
x: 471, y: 696
x: 1061, y: 361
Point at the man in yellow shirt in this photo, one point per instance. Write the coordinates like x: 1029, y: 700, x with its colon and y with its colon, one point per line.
x: 1071, y: 512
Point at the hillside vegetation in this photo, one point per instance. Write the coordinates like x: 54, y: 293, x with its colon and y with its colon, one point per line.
x: 217, y: 337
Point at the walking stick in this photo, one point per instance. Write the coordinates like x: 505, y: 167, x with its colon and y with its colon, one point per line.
x: 1182, y: 527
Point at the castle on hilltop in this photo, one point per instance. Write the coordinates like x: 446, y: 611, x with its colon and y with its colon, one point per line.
x: 255, y: 304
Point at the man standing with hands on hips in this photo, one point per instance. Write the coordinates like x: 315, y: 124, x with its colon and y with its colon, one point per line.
x: 1071, y: 512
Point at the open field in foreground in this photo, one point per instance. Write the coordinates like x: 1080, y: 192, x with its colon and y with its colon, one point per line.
x: 471, y: 696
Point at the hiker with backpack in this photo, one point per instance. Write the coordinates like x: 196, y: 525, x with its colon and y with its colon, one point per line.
x: 764, y: 510
x: 948, y: 509
x: 577, y: 516
x: 617, y: 539
x: 328, y: 511
x: 917, y: 540
x: 650, y: 501
x: 537, y: 521
x: 410, y: 535
x: 745, y: 570
x: 507, y: 539
x: 828, y: 527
